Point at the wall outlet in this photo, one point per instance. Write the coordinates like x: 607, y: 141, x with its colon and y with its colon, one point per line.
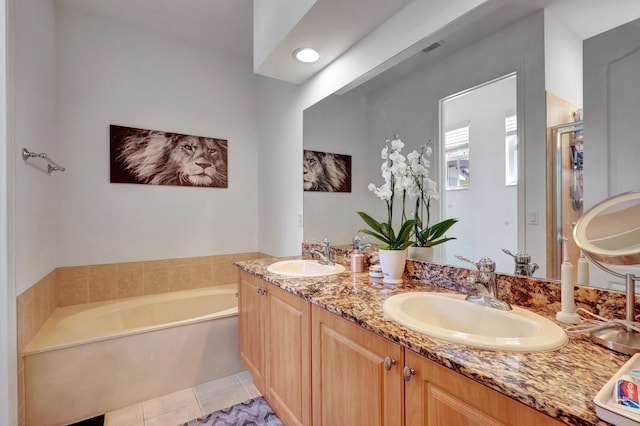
x: 532, y: 218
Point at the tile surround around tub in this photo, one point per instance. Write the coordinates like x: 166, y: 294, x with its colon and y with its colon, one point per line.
x: 92, y: 283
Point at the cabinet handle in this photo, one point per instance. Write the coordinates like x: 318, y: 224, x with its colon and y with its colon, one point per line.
x: 258, y: 289
x: 389, y: 362
x: 408, y: 372
x: 262, y: 291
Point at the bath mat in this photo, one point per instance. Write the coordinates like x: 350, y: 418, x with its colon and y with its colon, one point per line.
x: 254, y: 412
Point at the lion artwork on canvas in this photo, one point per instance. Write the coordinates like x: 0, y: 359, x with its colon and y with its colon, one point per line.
x: 162, y: 158
x: 326, y: 172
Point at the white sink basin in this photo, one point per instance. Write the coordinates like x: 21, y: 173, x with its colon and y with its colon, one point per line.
x: 450, y: 317
x: 303, y: 268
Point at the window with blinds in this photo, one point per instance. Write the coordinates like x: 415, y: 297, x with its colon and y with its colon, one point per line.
x: 456, y: 142
x: 511, y: 150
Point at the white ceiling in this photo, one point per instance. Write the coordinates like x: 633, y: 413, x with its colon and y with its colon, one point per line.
x: 333, y: 26
x: 330, y: 26
x: 219, y: 25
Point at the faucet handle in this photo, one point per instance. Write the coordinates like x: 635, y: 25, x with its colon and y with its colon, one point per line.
x: 357, y: 243
x: 519, y: 257
x: 464, y: 259
x: 324, y: 241
x: 485, y: 264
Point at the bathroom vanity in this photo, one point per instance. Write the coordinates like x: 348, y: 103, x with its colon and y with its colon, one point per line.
x: 322, y: 352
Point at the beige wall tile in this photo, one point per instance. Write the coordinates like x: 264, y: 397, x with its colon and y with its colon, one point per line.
x: 41, y: 303
x: 52, y: 290
x: 223, y: 258
x: 129, y: 279
x: 103, y: 282
x: 156, y: 280
x: 201, y: 275
x: 224, y: 273
x: 155, y: 264
x: 25, y: 326
x: 21, y: 384
x: 21, y: 415
x: 72, y: 285
x: 202, y: 260
x: 179, y: 262
x: 179, y: 278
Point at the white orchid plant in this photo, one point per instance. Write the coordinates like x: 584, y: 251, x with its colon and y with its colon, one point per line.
x: 406, y: 177
x: 424, y: 190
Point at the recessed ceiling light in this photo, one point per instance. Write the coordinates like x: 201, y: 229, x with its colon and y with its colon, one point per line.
x: 306, y: 55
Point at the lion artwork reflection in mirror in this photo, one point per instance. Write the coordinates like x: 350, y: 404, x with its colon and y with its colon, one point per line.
x: 325, y: 172
x: 162, y: 158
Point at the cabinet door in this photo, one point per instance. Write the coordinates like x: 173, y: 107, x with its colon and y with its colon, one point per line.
x: 288, y: 356
x: 438, y: 396
x: 251, y: 326
x: 351, y: 385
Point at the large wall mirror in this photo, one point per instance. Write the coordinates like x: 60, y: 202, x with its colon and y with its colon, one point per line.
x: 406, y: 100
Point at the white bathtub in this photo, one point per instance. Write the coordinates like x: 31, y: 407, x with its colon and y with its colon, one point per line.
x: 90, y: 359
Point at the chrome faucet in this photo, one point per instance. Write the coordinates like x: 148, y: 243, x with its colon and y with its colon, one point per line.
x: 324, y: 252
x: 486, y: 284
x: 523, y: 265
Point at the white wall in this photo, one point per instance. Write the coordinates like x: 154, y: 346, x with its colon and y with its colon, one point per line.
x: 280, y: 170
x: 114, y: 74
x: 563, y: 59
x: 33, y: 125
x: 8, y: 333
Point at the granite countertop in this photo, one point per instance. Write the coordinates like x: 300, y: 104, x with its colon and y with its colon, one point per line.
x: 561, y: 383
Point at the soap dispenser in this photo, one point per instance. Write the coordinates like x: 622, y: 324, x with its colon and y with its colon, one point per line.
x: 357, y: 257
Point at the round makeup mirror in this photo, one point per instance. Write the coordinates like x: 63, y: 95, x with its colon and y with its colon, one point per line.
x: 609, y: 233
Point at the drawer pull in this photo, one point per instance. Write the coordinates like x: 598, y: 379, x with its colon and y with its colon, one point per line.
x: 408, y: 372
x: 389, y: 362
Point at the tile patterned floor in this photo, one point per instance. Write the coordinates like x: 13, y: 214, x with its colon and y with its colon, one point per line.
x: 187, y: 404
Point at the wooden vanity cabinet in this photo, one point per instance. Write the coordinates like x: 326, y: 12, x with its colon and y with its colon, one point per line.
x: 317, y: 368
x: 438, y: 396
x: 357, y: 375
x: 275, y: 338
x: 251, y: 326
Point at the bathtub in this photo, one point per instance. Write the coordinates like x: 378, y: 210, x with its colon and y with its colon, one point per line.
x: 98, y: 357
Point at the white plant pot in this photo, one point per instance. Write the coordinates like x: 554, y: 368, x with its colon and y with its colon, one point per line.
x: 392, y: 263
x: 424, y: 254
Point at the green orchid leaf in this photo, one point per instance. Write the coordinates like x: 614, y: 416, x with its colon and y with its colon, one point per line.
x: 388, y: 231
x: 375, y: 235
x: 435, y: 243
x: 371, y: 222
x: 439, y: 229
x: 405, y: 245
x: 405, y: 230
